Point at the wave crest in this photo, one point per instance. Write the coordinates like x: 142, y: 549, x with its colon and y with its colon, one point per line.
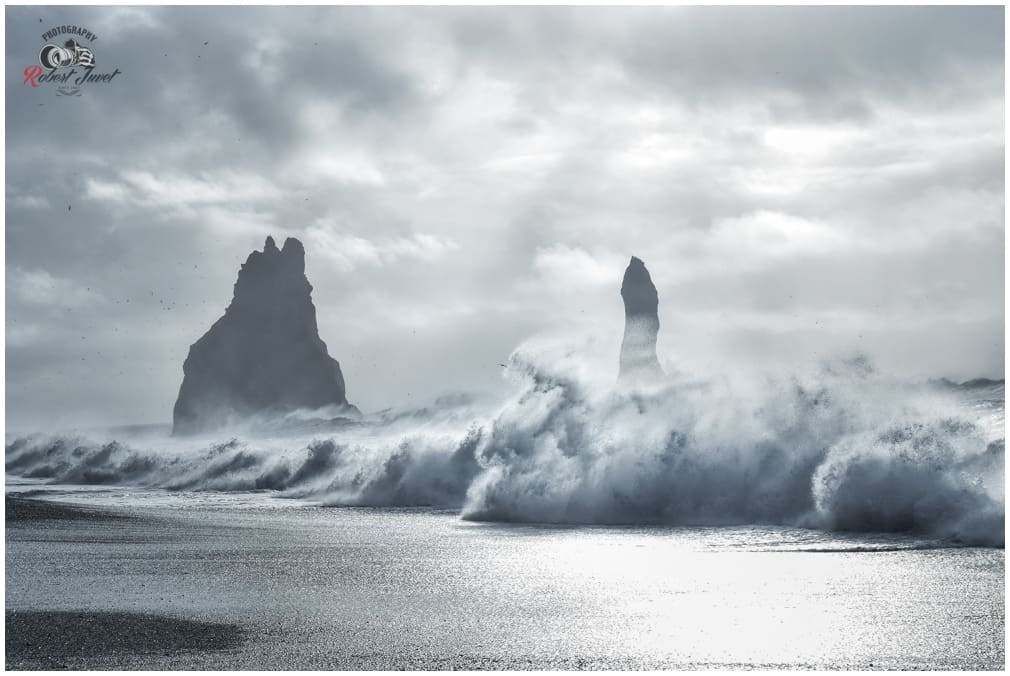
x: 841, y: 448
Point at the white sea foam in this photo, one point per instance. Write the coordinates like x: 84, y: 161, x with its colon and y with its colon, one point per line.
x: 840, y: 447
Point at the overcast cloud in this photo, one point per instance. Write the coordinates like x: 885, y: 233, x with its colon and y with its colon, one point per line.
x: 798, y: 181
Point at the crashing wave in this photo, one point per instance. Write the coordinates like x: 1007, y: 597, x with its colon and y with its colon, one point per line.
x: 842, y: 448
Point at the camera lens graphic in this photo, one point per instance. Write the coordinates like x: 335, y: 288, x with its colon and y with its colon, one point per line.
x: 54, y: 56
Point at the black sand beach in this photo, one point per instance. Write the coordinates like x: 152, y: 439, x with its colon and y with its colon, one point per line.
x: 200, y: 581
x: 60, y: 639
x: 21, y: 510
x: 98, y: 640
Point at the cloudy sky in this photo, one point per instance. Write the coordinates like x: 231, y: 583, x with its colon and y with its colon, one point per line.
x: 800, y: 183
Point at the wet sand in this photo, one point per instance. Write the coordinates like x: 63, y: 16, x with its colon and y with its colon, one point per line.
x: 59, y: 639
x: 22, y: 510
x: 100, y: 640
x: 193, y: 583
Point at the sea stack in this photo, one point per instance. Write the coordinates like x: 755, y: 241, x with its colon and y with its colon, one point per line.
x: 641, y: 324
x: 264, y: 357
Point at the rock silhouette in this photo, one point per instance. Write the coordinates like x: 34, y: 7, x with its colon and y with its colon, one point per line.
x: 264, y: 357
x: 641, y: 324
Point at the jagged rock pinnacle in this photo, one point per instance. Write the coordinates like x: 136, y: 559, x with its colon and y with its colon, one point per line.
x: 264, y: 356
x: 641, y: 324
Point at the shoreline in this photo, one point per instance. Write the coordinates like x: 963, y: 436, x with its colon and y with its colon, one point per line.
x: 19, y: 510
x: 202, y: 586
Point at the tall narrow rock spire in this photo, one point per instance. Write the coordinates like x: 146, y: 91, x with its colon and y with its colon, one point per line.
x: 641, y: 324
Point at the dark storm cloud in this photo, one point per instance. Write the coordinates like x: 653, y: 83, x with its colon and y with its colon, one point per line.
x: 465, y: 177
x: 834, y: 52
x: 829, y: 58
